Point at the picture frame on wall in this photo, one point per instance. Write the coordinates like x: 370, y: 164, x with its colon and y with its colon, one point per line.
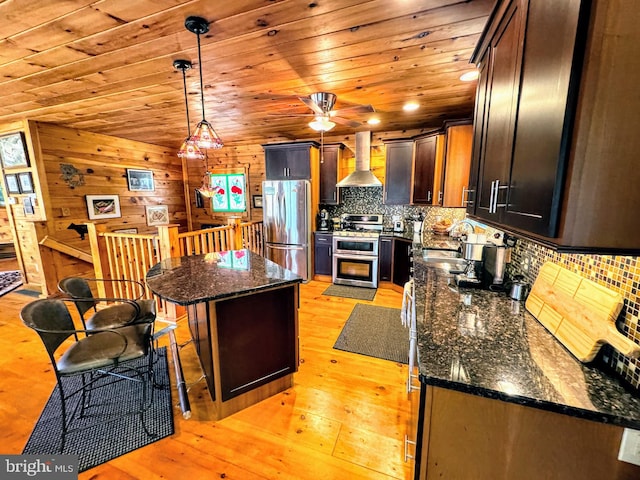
x: 103, y: 206
x: 157, y: 215
x: 140, y: 180
x: 27, y: 206
x: 26, y: 182
x: 11, y: 180
x: 13, y: 150
x: 257, y: 201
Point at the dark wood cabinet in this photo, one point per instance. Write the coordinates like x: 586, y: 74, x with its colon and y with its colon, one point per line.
x: 502, y: 57
x: 554, y: 149
x: 290, y: 161
x: 398, y: 172
x: 427, y: 170
x: 329, y: 164
x: 323, y: 254
x: 402, y: 260
x: 385, y: 257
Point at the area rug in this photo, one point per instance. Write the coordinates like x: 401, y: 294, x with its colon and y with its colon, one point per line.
x: 9, y: 280
x: 28, y: 293
x: 359, y: 293
x: 375, y: 332
x: 122, y: 434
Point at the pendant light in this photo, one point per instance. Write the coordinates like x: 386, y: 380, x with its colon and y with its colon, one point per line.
x: 205, y: 136
x: 189, y: 149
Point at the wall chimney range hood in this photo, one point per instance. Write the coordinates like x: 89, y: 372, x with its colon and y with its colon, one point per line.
x: 362, y: 176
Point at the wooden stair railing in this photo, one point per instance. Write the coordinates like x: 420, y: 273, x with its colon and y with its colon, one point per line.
x: 67, y: 249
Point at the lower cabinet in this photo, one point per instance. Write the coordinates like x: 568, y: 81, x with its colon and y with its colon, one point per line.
x: 323, y: 254
x: 402, y: 253
x: 385, y: 252
x: 468, y: 436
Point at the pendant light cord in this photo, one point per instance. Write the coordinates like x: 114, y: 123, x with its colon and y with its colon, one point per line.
x: 201, y: 82
x: 186, y: 101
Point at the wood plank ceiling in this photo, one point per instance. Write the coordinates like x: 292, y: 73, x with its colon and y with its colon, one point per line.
x: 107, y: 66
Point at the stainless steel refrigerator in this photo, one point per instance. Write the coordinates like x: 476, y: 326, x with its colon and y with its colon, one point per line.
x: 287, y: 224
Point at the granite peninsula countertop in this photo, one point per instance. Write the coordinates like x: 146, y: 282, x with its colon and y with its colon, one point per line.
x: 214, y: 276
x: 486, y: 344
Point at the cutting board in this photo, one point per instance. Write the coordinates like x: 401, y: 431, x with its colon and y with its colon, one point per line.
x: 580, y: 313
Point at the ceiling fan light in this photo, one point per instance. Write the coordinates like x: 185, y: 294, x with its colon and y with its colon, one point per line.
x: 322, y: 124
x: 373, y: 121
x: 410, y: 106
x: 206, y: 137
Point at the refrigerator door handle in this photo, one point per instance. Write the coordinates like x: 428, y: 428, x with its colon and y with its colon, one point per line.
x: 287, y: 247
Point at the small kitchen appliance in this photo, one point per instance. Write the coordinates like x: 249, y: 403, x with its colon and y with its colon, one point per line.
x: 398, y: 223
x: 324, y: 222
x: 494, y: 263
x: 472, y: 253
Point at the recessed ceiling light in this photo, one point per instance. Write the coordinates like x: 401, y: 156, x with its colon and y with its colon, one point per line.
x: 470, y: 76
x: 410, y: 107
x: 373, y: 121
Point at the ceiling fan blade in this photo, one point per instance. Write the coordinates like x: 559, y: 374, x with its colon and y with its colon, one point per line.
x: 292, y: 114
x: 344, y: 121
x: 353, y: 110
x: 312, y: 105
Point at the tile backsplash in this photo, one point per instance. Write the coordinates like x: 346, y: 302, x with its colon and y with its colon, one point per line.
x: 618, y: 273
x: 369, y: 200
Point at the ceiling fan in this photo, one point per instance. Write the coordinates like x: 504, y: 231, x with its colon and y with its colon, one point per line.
x: 322, y: 103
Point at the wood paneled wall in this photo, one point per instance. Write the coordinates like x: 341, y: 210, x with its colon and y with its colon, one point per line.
x: 100, y: 164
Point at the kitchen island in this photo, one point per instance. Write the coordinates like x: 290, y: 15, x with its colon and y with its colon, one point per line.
x: 501, y: 398
x: 243, y: 316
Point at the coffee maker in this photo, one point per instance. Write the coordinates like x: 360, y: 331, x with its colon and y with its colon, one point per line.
x: 324, y: 222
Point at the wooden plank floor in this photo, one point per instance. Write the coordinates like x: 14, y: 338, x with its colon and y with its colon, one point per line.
x: 344, y: 418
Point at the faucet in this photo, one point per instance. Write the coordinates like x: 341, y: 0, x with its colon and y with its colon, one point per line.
x: 457, y: 224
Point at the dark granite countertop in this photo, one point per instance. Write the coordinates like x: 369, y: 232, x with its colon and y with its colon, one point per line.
x: 214, y: 276
x: 486, y: 344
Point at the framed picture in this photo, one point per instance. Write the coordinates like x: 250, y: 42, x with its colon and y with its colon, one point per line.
x: 26, y: 182
x: 140, y: 180
x: 13, y: 150
x: 257, y: 201
x: 157, y: 215
x: 27, y: 206
x: 11, y: 180
x: 103, y: 206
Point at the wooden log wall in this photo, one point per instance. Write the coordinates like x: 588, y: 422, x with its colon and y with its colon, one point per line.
x: 67, y: 165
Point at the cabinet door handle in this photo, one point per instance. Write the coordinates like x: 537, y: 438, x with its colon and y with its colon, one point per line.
x: 493, y: 185
x: 330, y: 251
x: 334, y: 195
x: 495, y: 196
x: 468, y: 192
x: 440, y: 195
x: 429, y: 196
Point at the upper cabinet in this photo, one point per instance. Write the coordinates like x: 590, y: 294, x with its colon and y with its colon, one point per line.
x: 427, y: 169
x: 459, y: 138
x: 554, y: 154
x: 329, y: 162
x: 289, y: 161
x: 398, y: 172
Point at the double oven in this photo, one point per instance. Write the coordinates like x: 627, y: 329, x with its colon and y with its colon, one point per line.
x: 355, y: 250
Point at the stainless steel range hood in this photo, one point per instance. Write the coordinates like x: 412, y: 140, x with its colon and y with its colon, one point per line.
x: 362, y: 176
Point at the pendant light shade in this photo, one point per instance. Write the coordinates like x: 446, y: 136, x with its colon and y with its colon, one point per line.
x: 189, y: 149
x: 205, y: 136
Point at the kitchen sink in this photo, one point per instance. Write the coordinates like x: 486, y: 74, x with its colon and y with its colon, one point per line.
x: 448, y: 260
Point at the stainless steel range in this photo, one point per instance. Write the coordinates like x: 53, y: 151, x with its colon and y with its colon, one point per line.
x: 355, y: 250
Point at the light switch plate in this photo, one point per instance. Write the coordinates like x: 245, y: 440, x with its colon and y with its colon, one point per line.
x: 630, y: 447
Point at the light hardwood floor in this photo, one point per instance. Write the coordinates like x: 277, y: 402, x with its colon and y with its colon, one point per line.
x: 344, y: 418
